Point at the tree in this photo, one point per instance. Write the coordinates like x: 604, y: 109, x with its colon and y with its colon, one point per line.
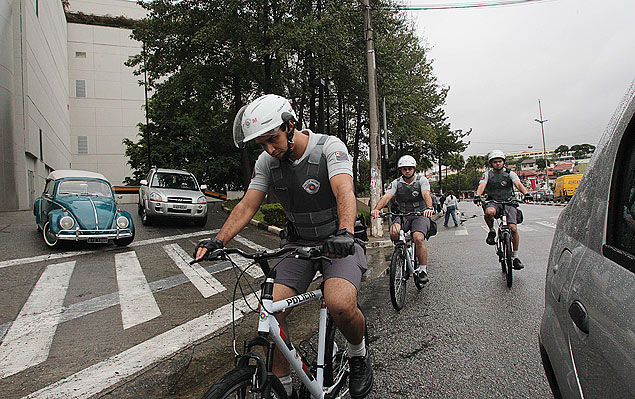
x: 540, y: 162
x: 561, y: 149
x: 476, y: 162
x: 444, y: 141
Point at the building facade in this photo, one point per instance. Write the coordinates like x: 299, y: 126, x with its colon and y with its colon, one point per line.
x: 66, y: 98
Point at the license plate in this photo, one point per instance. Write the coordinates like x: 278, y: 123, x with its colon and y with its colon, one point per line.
x: 98, y: 240
x: 177, y: 206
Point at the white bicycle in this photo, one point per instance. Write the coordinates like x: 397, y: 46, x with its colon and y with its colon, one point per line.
x: 252, y: 375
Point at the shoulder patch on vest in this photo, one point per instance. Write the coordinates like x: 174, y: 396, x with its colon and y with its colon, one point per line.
x: 415, y: 193
x: 311, y: 186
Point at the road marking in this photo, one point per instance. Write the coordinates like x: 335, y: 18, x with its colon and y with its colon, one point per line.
x: 485, y: 228
x: 98, y: 377
x: 102, y: 302
x: 460, y: 231
x: 29, y: 338
x: 61, y: 255
x: 201, y: 279
x: 252, y: 269
x: 522, y: 227
x: 135, y: 297
x: 547, y: 224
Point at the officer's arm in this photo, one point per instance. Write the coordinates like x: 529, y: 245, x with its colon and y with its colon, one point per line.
x: 241, y: 215
x: 383, y: 201
x: 480, y: 189
x: 342, y: 186
x: 521, y: 187
x: 427, y: 198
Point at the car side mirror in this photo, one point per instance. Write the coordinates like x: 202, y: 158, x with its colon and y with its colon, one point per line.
x: 143, y: 182
x: 203, y: 187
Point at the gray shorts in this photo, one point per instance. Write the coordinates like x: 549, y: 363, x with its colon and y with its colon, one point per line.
x: 298, y: 273
x: 510, y: 211
x: 413, y: 223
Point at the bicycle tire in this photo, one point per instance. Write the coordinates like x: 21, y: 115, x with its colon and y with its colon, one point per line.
x: 500, y: 252
x: 335, y: 361
x: 508, y: 259
x: 237, y: 383
x: 397, y: 280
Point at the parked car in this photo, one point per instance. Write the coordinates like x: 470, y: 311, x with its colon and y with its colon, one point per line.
x: 587, y: 333
x: 170, y: 193
x: 80, y: 206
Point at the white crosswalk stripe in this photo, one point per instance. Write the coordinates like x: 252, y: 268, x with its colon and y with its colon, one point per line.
x: 135, y: 297
x: 200, y: 278
x: 253, y: 270
x: 460, y: 231
x: 29, y: 339
x: 94, y: 379
x: 547, y: 224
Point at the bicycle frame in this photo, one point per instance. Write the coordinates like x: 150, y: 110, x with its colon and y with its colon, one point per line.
x: 406, y: 240
x: 268, y: 325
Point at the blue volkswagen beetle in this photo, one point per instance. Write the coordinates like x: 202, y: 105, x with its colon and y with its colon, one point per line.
x: 78, y: 205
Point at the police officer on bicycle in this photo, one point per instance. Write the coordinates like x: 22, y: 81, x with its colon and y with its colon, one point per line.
x: 410, y: 193
x: 499, y: 183
x: 311, y: 175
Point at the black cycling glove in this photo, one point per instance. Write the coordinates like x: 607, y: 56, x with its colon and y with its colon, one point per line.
x: 211, y: 244
x: 477, y: 199
x: 342, y: 243
x: 528, y: 197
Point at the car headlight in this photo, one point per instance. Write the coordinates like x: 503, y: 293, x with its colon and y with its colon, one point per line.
x: 66, y: 222
x: 201, y: 200
x: 156, y: 197
x: 122, y: 222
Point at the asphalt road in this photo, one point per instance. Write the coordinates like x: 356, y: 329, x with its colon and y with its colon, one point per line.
x: 464, y: 334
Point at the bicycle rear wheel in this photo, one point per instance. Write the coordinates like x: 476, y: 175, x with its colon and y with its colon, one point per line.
x: 507, y: 246
x: 237, y: 383
x: 397, y: 278
x: 500, y: 252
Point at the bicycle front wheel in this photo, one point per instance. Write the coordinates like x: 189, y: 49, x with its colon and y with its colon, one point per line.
x: 397, y: 278
x: 335, y: 356
x: 238, y: 384
x: 507, y: 248
x: 500, y: 252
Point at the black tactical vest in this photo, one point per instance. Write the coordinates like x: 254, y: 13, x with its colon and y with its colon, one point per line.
x: 408, y: 197
x: 305, y: 193
x: 499, y: 185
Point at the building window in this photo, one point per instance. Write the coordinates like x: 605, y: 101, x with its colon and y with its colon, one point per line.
x: 80, y: 54
x: 80, y: 88
x: 82, y: 145
x: 41, y: 155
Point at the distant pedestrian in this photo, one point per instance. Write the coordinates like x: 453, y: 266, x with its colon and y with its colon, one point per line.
x: 435, y: 202
x: 451, y: 204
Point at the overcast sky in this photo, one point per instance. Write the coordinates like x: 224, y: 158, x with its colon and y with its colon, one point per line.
x: 576, y: 56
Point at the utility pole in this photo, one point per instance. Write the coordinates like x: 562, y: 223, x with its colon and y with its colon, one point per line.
x: 375, y: 168
x: 544, y: 148
x: 145, y: 85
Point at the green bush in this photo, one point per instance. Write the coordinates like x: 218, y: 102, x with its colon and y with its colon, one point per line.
x: 273, y: 214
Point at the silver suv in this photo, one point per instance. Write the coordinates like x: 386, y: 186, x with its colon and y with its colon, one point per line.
x: 170, y: 193
x: 587, y: 334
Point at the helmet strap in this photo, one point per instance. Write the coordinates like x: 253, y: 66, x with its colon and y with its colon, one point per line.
x: 290, y: 143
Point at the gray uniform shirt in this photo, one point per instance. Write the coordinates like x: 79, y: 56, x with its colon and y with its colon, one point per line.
x: 338, y: 161
x: 424, y: 184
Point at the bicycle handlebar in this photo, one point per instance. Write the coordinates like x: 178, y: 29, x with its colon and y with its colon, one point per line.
x: 504, y: 202
x: 306, y: 253
x: 386, y: 214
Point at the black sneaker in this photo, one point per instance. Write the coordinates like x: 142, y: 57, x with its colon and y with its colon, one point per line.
x: 518, y: 265
x: 422, y: 277
x: 491, y: 238
x: 360, y: 381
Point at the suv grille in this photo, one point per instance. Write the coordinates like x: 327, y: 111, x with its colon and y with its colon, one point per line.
x: 180, y: 200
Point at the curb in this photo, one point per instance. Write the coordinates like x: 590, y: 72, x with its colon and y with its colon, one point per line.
x: 262, y: 226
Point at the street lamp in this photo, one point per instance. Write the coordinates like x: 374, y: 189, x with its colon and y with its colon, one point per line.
x: 544, y: 149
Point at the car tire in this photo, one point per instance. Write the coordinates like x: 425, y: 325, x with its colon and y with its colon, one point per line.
x: 202, y: 222
x: 49, y: 239
x: 146, y: 219
x: 122, y: 242
x: 139, y: 209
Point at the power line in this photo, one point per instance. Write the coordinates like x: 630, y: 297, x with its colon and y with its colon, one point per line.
x: 499, y: 3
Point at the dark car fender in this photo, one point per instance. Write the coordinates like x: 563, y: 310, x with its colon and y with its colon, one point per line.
x: 37, y: 205
x: 54, y: 217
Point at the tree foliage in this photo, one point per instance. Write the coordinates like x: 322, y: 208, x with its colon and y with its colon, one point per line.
x: 205, y: 59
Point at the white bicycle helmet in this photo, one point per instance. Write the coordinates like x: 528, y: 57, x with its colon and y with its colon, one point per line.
x: 262, y: 115
x: 495, y: 154
x: 406, y: 160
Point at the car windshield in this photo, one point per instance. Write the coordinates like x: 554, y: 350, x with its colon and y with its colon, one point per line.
x: 84, y: 187
x: 174, y: 180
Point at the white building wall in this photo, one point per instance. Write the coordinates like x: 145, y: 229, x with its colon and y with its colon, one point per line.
x: 33, y: 78
x: 126, y: 8
x: 114, y: 100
